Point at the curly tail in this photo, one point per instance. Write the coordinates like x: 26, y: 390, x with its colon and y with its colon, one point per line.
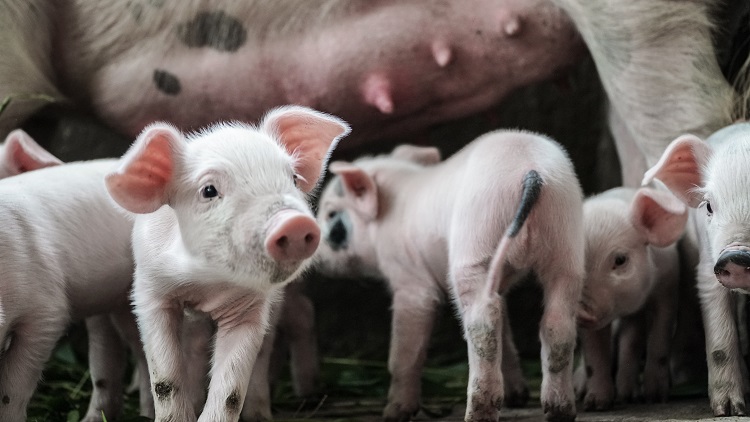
x: 532, y: 188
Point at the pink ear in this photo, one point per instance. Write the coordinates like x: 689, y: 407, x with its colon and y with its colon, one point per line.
x: 309, y: 136
x: 680, y: 168
x: 141, y: 183
x: 359, y: 187
x: 426, y: 156
x: 659, y: 215
x: 23, y: 154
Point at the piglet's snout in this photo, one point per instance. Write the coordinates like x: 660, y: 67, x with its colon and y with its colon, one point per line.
x: 292, y: 236
x: 732, y: 269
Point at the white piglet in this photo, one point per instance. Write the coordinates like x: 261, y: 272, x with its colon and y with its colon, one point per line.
x: 223, y: 224
x: 632, y: 275
x: 456, y: 229
x: 65, y: 256
x: 712, y: 177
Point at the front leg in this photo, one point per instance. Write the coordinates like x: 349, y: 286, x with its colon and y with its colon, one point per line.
x: 597, y: 356
x: 656, y: 380
x: 413, y: 318
x: 722, y: 347
x: 160, y: 325
x: 236, y: 351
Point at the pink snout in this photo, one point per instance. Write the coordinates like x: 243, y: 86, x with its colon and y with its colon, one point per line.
x: 293, y: 236
x: 732, y: 269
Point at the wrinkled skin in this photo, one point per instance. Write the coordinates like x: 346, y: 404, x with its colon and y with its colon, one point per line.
x: 375, y: 221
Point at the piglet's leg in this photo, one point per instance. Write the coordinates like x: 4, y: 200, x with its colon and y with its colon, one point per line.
x: 298, y: 324
x: 107, y: 366
x: 722, y: 347
x: 127, y: 328
x: 516, y: 390
x: 597, y: 355
x: 413, y: 318
x: 663, y: 316
x: 558, y: 337
x: 631, y: 343
x: 257, y: 405
x: 21, y: 365
x: 160, y: 326
x: 235, y: 353
x: 483, y: 325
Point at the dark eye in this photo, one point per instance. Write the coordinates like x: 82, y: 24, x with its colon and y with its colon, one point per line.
x: 209, y: 191
x: 620, y: 260
x: 332, y: 214
x: 708, y: 208
x: 294, y: 179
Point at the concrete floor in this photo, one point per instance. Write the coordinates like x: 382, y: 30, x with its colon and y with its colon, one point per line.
x: 681, y: 409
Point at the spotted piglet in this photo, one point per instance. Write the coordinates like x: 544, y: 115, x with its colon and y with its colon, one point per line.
x: 223, y: 223
x: 712, y: 177
x: 456, y: 228
x: 632, y: 274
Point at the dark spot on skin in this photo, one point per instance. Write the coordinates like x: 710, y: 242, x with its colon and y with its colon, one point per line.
x: 663, y: 361
x: 559, y: 357
x: 213, y: 29
x: 101, y: 383
x: 719, y: 357
x: 484, y: 340
x: 167, y: 82
x: 233, y: 402
x: 6, y: 399
x: 163, y: 390
x: 532, y: 187
x: 589, y: 371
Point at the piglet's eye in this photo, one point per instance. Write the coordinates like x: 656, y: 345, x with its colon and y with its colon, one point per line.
x: 620, y: 260
x: 209, y: 191
x: 294, y: 179
x: 708, y: 208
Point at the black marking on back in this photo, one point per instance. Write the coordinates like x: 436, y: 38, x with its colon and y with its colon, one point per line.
x: 167, y: 82
x: 216, y: 30
x: 532, y: 187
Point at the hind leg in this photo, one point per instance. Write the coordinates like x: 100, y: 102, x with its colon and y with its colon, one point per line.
x: 482, y: 318
x: 107, y: 366
x: 21, y: 366
x: 558, y: 337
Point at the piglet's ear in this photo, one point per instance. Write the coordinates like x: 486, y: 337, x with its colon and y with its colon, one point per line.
x: 141, y: 183
x: 425, y: 156
x: 309, y: 136
x: 359, y: 187
x: 680, y: 168
x: 23, y: 154
x: 659, y: 215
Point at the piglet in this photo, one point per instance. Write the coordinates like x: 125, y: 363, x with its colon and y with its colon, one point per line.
x: 712, y: 177
x: 632, y: 275
x: 456, y: 229
x: 223, y: 224
x: 107, y: 332
x: 65, y: 256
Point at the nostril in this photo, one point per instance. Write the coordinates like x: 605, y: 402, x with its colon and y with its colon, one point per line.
x: 283, y: 242
x: 309, y: 238
x: 738, y: 258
